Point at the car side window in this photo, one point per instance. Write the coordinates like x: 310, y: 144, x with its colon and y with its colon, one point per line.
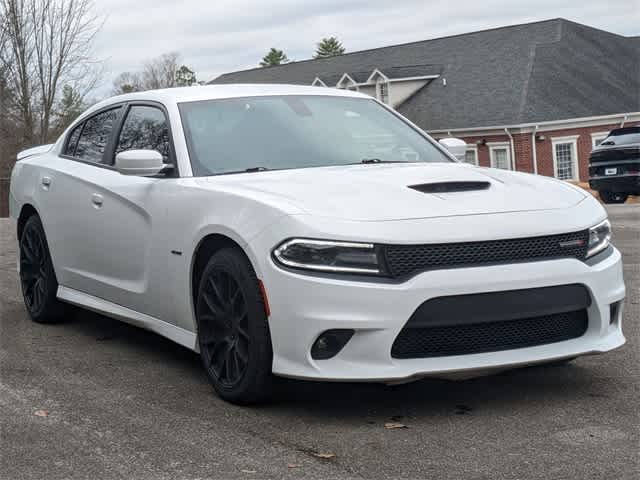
x: 145, y: 128
x: 72, y: 143
x: 95, y: 135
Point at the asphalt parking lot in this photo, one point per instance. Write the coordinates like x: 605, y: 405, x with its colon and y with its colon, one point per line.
x: 120, y: 402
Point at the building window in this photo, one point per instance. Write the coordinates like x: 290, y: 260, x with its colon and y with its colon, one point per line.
x: 383, y: 92
x: 500, y: 156
x: 471, y: 155
x: 565, y: 158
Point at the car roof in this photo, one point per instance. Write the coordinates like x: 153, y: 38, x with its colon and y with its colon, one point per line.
x: 213, y: 92
x: 196, y: 93
x: 624, y: 131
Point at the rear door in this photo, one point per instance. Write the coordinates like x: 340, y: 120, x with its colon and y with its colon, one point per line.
x: 68, y: 209
x: 113, y: 223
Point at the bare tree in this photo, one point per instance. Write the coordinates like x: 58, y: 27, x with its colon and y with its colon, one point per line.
x: 16, y: 59
x: 48, y: 45
x: 127, y: 82
x: 11, y: 120
x: 160, y: 72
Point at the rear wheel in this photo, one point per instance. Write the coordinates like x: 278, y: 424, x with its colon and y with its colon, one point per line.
x: 613, y: 197
x: 233, y: 334
x: 37, y: 277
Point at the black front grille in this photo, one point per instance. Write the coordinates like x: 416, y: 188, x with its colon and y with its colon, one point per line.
x: 404, y: 260
x: 440, y: 341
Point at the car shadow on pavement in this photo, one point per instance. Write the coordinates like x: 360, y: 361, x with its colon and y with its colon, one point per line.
x: 355, y: 402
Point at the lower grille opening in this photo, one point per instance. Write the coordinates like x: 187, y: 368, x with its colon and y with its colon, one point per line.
x: 439, y: 341
x: 614, y: 309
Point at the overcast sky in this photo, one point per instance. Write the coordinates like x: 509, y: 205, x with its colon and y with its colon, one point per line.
x: 218, y: 36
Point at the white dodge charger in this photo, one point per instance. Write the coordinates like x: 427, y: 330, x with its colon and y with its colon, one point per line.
x: 309, y: 233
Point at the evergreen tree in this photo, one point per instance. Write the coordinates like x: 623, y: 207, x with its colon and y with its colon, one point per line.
x: 274, y: 57
x: 329, y: 47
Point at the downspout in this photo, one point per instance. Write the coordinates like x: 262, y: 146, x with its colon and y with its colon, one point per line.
x: 513, y: 152
x: 624, y: 119
x: 533, y: 150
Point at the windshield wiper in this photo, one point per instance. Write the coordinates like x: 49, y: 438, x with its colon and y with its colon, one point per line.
x: 367, y: 161
x: 246, y: 170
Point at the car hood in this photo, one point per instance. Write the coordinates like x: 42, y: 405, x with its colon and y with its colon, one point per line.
x: 382, y: 192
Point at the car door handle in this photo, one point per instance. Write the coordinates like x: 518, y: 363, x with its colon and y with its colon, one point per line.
x: 46, y: 182
x: 96, y: 200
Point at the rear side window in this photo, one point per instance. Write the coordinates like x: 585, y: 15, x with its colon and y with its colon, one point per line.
x: 95, y: 135
x: 145, y: 128
x: 627, y: 139
x: 623, y: 136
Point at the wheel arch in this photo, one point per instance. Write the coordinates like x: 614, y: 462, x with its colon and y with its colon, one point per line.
x: 208, y: 246
x: 26, y: 212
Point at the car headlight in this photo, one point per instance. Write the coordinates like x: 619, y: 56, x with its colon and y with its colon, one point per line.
x: 329, y: 256
x: 599, y: 238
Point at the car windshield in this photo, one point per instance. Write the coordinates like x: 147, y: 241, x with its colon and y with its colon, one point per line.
x: 282, y: 132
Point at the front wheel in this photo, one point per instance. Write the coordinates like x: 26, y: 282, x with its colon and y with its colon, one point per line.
x: 613, y: 197
x: 233, y: 333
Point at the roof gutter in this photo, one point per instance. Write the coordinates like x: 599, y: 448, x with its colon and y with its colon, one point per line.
x: 613, y: 118
x: 396, y: 80
x: 513, y: 151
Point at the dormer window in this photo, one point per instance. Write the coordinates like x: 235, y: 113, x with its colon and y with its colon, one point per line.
x: 378, y: 83
x: 347, y: 83
x: 317, y: 82
x: 383, y: 92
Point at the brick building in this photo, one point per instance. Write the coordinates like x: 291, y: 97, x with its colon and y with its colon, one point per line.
x: 534, y: 97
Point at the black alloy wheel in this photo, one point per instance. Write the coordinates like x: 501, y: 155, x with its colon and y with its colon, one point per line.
x: 224, y: 332
x: 37, y: 276
x: 233, y: 332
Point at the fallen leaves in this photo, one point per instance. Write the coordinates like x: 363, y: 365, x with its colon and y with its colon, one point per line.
x: 293, y: 465
x: 394, y: 425
x: 324, y: 455
x: 41, y: 413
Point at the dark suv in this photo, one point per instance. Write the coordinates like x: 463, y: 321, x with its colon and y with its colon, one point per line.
x: 614, y: 165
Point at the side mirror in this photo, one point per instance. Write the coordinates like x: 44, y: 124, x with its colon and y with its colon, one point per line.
x: 143, y: 163
x: 457, y: 147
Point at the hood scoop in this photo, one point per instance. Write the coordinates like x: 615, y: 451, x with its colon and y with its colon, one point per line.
x: 450, y: 187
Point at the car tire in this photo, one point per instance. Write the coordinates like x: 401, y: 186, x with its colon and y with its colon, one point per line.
x: 37, y: 276
x: 612, y: 197
x: 233, y: 333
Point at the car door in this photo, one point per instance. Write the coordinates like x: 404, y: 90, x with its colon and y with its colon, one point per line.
x: 114, y: 225
x: 69, y: 211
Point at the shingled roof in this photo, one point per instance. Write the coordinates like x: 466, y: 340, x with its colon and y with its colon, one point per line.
x: 543, y: 71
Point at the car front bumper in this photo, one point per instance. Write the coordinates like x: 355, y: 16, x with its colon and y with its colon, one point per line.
x: 304, y: 306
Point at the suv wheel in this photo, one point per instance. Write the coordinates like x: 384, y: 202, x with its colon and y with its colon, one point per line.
x: 613, y: 197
